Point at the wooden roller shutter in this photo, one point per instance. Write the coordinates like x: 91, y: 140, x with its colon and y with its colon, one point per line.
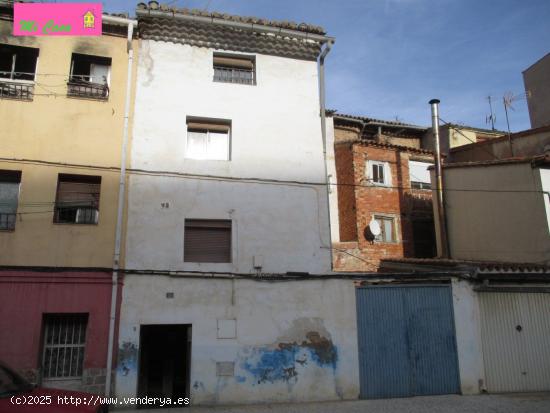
x: 207, y: 241
x: 81, y: 191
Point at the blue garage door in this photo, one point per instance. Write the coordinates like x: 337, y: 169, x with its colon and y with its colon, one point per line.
x: 407, y: 343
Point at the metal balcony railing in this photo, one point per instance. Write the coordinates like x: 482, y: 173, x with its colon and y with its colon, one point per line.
x: 7, y: 221
x: 16, y: 90
x: 234, y: 75
x: 82, y: 89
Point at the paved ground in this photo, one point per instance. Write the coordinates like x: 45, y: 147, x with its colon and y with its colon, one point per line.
x: 510, y: 403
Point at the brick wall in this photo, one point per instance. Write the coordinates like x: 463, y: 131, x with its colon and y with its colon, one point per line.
x: 357, y: 205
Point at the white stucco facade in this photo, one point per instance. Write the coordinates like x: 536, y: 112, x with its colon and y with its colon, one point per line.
x: 273, y: 190
x: 275, y: 136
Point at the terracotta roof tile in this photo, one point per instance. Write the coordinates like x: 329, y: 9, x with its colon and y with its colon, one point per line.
x: 289, y: 25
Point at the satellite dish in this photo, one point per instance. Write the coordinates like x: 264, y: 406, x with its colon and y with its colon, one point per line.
x: 374, y: 228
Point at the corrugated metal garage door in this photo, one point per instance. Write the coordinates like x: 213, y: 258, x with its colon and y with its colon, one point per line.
x: 407, y: 342
x: 516, y: 341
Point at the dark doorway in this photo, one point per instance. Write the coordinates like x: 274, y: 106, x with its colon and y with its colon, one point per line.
x: 165, y: 360
x: 424, y: 238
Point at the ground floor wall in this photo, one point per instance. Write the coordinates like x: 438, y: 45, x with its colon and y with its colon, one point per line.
x: 251, y: 341
x: 27, y: 298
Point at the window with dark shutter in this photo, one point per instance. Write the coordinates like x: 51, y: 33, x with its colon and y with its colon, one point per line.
x: 77, y: 200
x: 207, y: 240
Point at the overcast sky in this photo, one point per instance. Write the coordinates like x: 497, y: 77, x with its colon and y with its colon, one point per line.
x: 392, y: 56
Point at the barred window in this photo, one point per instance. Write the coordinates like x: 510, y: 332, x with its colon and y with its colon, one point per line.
x: 234, y: 69
x: 9, y: 196
x: 64, y: 345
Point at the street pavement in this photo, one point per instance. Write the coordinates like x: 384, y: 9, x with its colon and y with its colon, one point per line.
x: 505, y: 403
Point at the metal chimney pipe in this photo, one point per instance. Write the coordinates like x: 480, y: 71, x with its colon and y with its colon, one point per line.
x: 444, y: 253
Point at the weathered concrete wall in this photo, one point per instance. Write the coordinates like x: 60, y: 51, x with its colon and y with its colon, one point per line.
x: 509, y: 225
x: 295, y: 341
x: 468, y: 337
x: 537, y: 86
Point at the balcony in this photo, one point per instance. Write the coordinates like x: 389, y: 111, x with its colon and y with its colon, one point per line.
x: 87, y: 90
x: 13, y: 89
x: 7, y: 221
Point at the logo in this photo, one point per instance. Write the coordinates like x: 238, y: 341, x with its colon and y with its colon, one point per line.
x: 57, y: 19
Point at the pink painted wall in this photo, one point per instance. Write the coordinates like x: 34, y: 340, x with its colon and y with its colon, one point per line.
x: 26, y: 295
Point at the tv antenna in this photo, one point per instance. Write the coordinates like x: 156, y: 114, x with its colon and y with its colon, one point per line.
x: 492, y: 117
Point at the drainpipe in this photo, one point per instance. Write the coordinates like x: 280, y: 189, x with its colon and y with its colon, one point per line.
x: 444, y: 241
x: 121, y: 198
x: 324, y: 54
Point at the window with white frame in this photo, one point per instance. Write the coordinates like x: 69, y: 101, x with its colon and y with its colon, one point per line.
x: 64, y: 345
x: 208, y: 140
x: 387, y: 229
x: 420, y: 175
x: 378, y: 173
x: 17, y: 71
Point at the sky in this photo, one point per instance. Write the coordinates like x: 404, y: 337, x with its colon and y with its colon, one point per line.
x: 392, y: 56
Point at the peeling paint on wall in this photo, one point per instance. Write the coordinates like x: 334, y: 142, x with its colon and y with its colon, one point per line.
x: 286, y: 359
x: 127, y: 358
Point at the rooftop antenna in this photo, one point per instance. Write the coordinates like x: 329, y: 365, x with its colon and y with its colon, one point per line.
x: 492, y: 117
x: 507, y: 101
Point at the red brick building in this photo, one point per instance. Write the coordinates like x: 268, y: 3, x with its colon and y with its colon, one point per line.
x: 381, y: 176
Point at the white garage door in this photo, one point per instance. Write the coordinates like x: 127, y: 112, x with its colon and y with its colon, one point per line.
x: 516, y: 341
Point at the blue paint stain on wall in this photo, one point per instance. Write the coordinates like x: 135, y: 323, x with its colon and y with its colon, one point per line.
x: 127, y: 358
x: 268, y: 365
x: 240, y: 379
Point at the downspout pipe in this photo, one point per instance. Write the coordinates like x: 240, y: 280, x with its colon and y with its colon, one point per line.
x: 440, y: 199
x: 322, y: 103
x: 121, y: 199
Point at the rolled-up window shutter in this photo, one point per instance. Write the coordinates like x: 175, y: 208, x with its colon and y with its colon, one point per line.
x: 202, y: 126
x: 72, y: 192
x: 241, y: 63
x: 207, y: 241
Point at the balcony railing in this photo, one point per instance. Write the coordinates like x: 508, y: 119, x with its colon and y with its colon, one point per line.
x: 76, y: 215
x: 234, y: 75
x: 7, y: 221
x: 16, y: 90
x: 89, y: 90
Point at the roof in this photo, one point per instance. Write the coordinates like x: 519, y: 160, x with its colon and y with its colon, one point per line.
x: 368, y: 142
x: 374, y: 121
x: 534, y: 160
x: 229, y: 32
x: 479, y: 266
x: 522, y: 134
x: 488, y: 131
x: 302, y: 27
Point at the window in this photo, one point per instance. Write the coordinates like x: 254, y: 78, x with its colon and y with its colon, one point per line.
x: 208, y: 140
x: 17, y: 71
x: 64, y: 344
x: 234, y: 69
x: 90, y: 76
x: 9, y: 196
x: 207, y: 240
x: 387, y: 229
x: 77, y: 200
x: 379, y: 173
x: 419, y: 175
